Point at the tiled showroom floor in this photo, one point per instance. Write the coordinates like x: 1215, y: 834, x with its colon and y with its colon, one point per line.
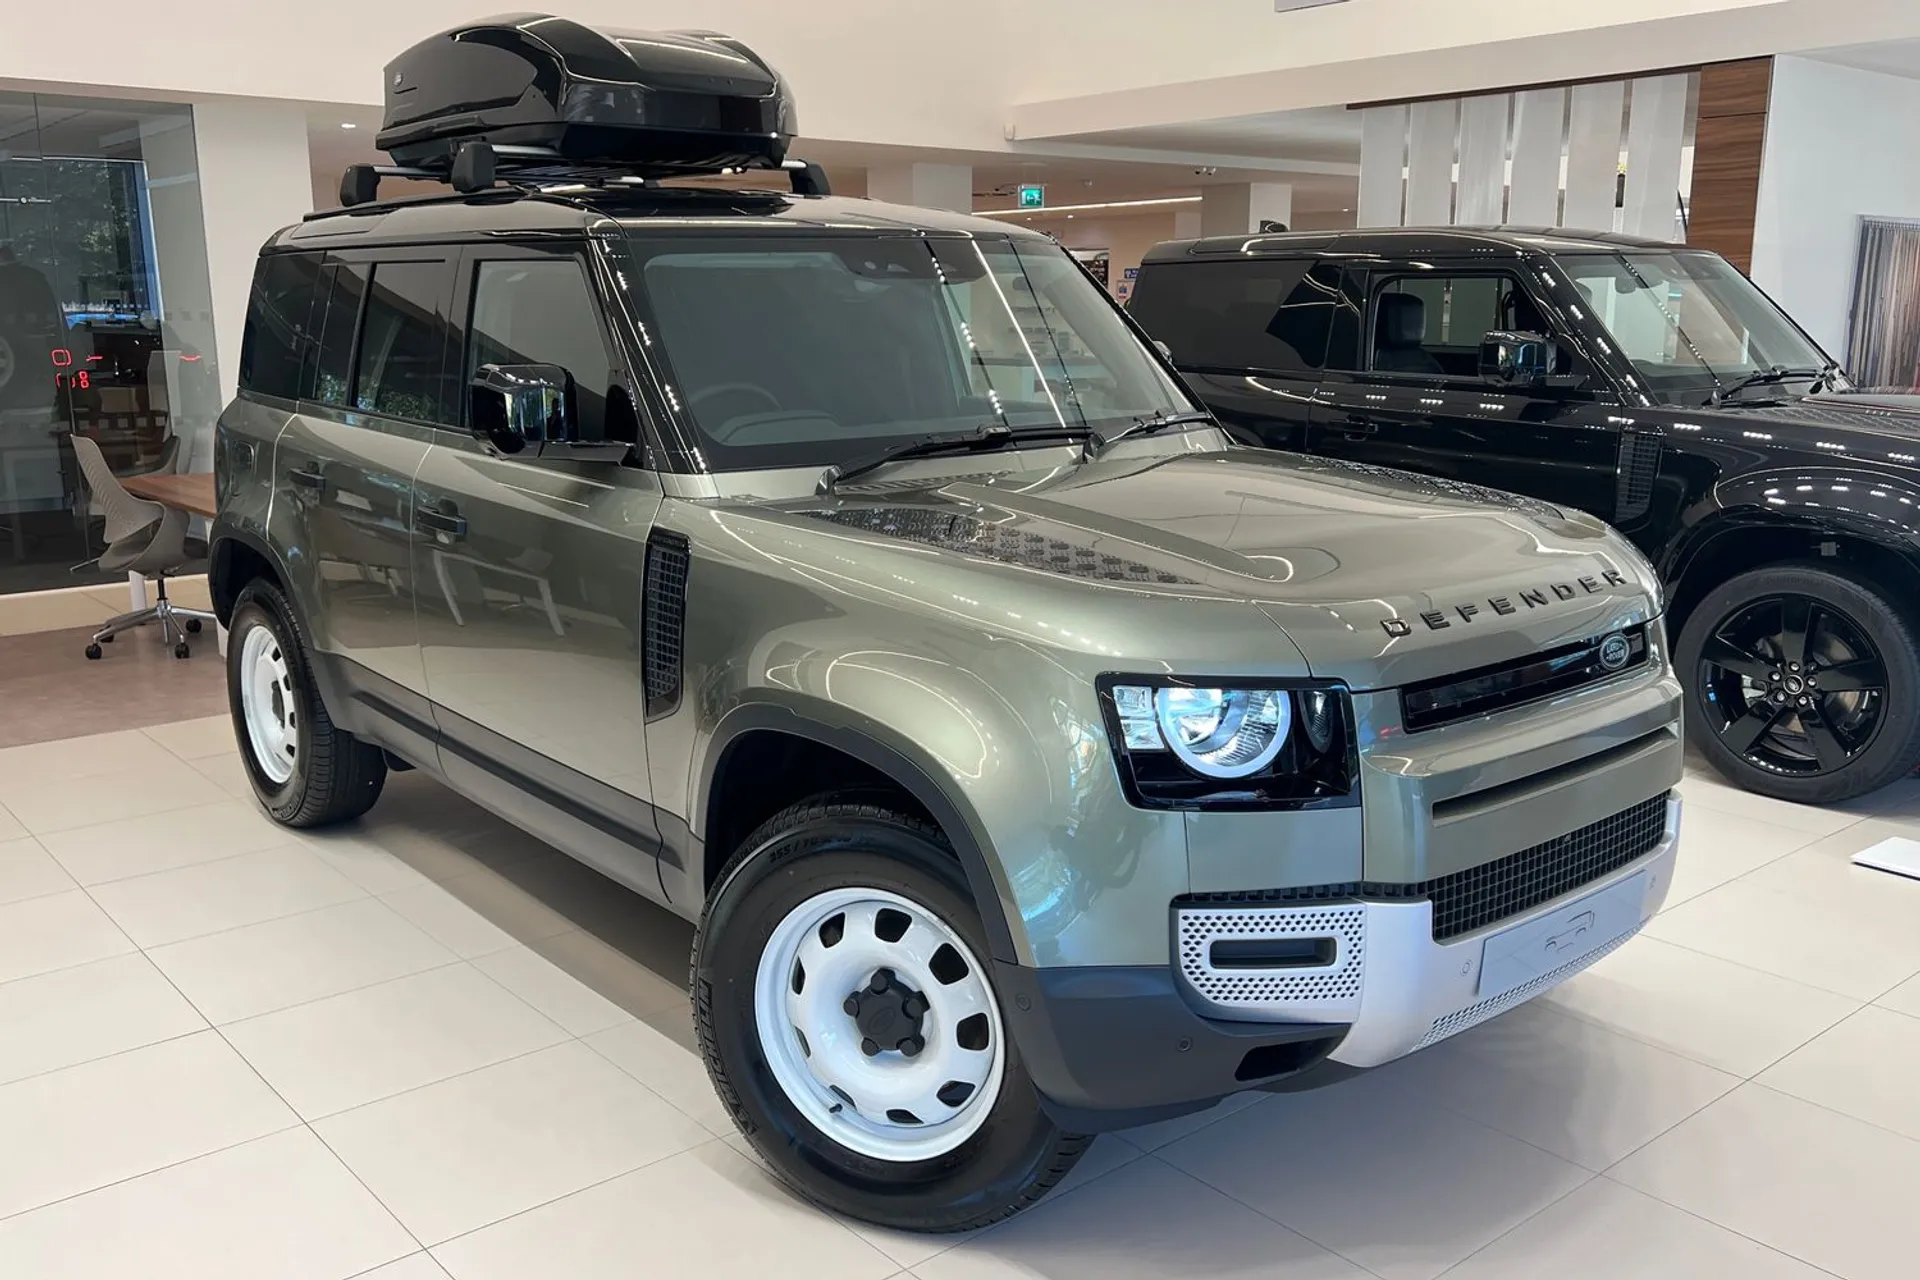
x: 428, y: 1047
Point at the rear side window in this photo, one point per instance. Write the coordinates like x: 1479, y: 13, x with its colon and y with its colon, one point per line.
x: 1269, y: 315
x: 278, y: 334
x: 404, y: 371
x: 334, y: 369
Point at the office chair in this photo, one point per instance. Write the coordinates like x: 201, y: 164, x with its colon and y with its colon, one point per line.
x: 145, y: 538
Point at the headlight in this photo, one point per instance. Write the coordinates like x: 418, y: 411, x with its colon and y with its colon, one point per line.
x: 1188, y: 744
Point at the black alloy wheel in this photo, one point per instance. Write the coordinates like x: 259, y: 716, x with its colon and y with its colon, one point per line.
x: 1803, y: 682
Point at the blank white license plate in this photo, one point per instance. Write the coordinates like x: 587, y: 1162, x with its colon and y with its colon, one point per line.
x: 1521, y: 954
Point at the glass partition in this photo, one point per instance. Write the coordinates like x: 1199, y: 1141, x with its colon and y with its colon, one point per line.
x: 106, y: 326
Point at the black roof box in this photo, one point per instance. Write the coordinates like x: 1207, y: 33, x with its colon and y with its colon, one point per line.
x: 651, y: 103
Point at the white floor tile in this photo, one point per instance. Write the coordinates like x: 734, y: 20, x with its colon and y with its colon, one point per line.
x: 90, y: 1011
x: 1826, y: 1188
x: 60, y: 804
x: 1716, y: 847
x: 1813, y: 942
x: 1581, y: 1092
x: 1385, y: 1178
x: 197, y: 739
x: 352, y: 1049
x: 278, y: 1208
x: 256, y: 969
x: 1605, y: 1231
x: 555, y: 992
x: 227, y: 773
x: 38, y: 935
x: 418, y: 1266
x: 1152, y: 1137
x: 24, y: 769
x: 1144, y: 1222
x: 1824, y: 873
x: 666, y: 1068
x: 1699, y: 1006
x: 84, y: 1127
x: 1904, y: 998
x: 455, y: 1156
x: 361, y: 857
x: 189, y: 902
x: 10, y: 828
x: 164, y: 841
x: 478, y: 914
x: 1867, y: 1067
x: 1704, y: 789
x: 707, y: 1212
x: 28, y: 871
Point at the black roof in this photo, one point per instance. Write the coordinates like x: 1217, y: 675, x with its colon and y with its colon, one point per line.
x: 1372, y: 241
x: 504, y: 211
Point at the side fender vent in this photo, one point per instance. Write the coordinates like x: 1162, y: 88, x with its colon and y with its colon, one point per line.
x: 663, y: 623
x: 1639, y: 467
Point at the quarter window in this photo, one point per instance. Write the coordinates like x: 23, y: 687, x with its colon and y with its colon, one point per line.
x: 278, y: 333
x: 540, y: 311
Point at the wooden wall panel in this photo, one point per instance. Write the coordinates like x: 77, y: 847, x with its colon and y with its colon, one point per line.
x: 1729, y: 136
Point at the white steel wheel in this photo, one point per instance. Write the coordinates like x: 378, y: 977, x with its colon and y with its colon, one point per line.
x: 268, y: 706
x: 879, y: 1024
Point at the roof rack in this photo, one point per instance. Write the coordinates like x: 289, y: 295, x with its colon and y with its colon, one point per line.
x: 536, y: 101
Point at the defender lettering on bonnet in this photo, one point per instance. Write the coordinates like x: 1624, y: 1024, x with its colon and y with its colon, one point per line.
x: 1528, y: 598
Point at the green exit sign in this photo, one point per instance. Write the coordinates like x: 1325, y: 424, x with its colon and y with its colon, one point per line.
x: 1033, y: 196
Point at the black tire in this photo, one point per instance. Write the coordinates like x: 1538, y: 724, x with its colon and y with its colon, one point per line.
x: 1018, y: 1154
x: 1845, y: 605
x: 336, y: 777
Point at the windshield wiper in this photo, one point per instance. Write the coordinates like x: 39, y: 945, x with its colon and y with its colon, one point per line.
x: 1148, y: 426
x: 991, y: 435
x: 1760, y: 378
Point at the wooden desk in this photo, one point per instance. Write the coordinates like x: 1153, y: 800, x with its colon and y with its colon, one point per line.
x: 190, y: 493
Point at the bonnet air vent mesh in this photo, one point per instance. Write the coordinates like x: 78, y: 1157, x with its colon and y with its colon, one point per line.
x: 664, y: 622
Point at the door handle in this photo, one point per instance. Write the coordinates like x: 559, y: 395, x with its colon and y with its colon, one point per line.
x: 440, y: 520
x: 1356, y: 427
x: 308, y: 477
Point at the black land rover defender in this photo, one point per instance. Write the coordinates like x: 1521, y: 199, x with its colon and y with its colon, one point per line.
x: 1648, y: 384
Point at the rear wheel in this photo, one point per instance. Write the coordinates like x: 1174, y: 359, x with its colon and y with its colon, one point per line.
x: 849, y: 1021
x: 1803, y: 684
x: 305, y: 771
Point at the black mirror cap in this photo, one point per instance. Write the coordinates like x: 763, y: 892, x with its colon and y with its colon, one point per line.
x: 512, y: 406
x: 1511, y: 358
x: 650, y: 103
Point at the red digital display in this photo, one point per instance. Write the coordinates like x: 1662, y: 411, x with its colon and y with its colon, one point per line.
x: 62, y: 357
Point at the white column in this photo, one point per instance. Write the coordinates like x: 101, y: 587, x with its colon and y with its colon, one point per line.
x: 1481, y: 197
x: 1539, y: 140
x: 1186, y: 225
x: 1239, y: 209
x: 925, y: 186
x: 1383, y: 165
x: 1656, y: 126
x: 1593, y: 154
x: 1431, y: 135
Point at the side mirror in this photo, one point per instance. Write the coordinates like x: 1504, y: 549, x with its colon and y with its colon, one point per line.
x: 1517, y: 360
x: 516, y: 405
x: 1166, y: 352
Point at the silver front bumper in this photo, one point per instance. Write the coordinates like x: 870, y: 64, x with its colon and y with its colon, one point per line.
x: 1399, y: 989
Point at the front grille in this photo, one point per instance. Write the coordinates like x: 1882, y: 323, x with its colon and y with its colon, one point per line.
x: 1487, y: 894
x: 1506, y: 685
x: 1638, y: 468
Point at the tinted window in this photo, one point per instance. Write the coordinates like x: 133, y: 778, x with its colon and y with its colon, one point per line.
x: 1268, y: 314
x: 277, y: 333
x: 541, y: 311
x: 334, y: 371
x: 1434, y: 323
x: 403, y: 369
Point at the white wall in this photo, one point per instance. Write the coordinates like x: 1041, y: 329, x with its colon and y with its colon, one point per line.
x: 1840, y: 145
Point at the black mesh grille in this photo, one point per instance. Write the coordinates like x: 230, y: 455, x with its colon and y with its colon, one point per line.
x: 1487, y: 894
x: 1639, y: 465
x: 664, y: 623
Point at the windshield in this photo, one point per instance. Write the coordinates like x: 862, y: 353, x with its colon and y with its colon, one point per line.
x: 1689, y: 322
x: 810, y: 349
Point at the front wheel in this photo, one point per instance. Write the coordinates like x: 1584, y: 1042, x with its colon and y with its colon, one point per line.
x: 850, y: 1023
x: 1803, y: 684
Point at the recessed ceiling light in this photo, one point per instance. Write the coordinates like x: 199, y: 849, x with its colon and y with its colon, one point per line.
x: 348, y: 124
